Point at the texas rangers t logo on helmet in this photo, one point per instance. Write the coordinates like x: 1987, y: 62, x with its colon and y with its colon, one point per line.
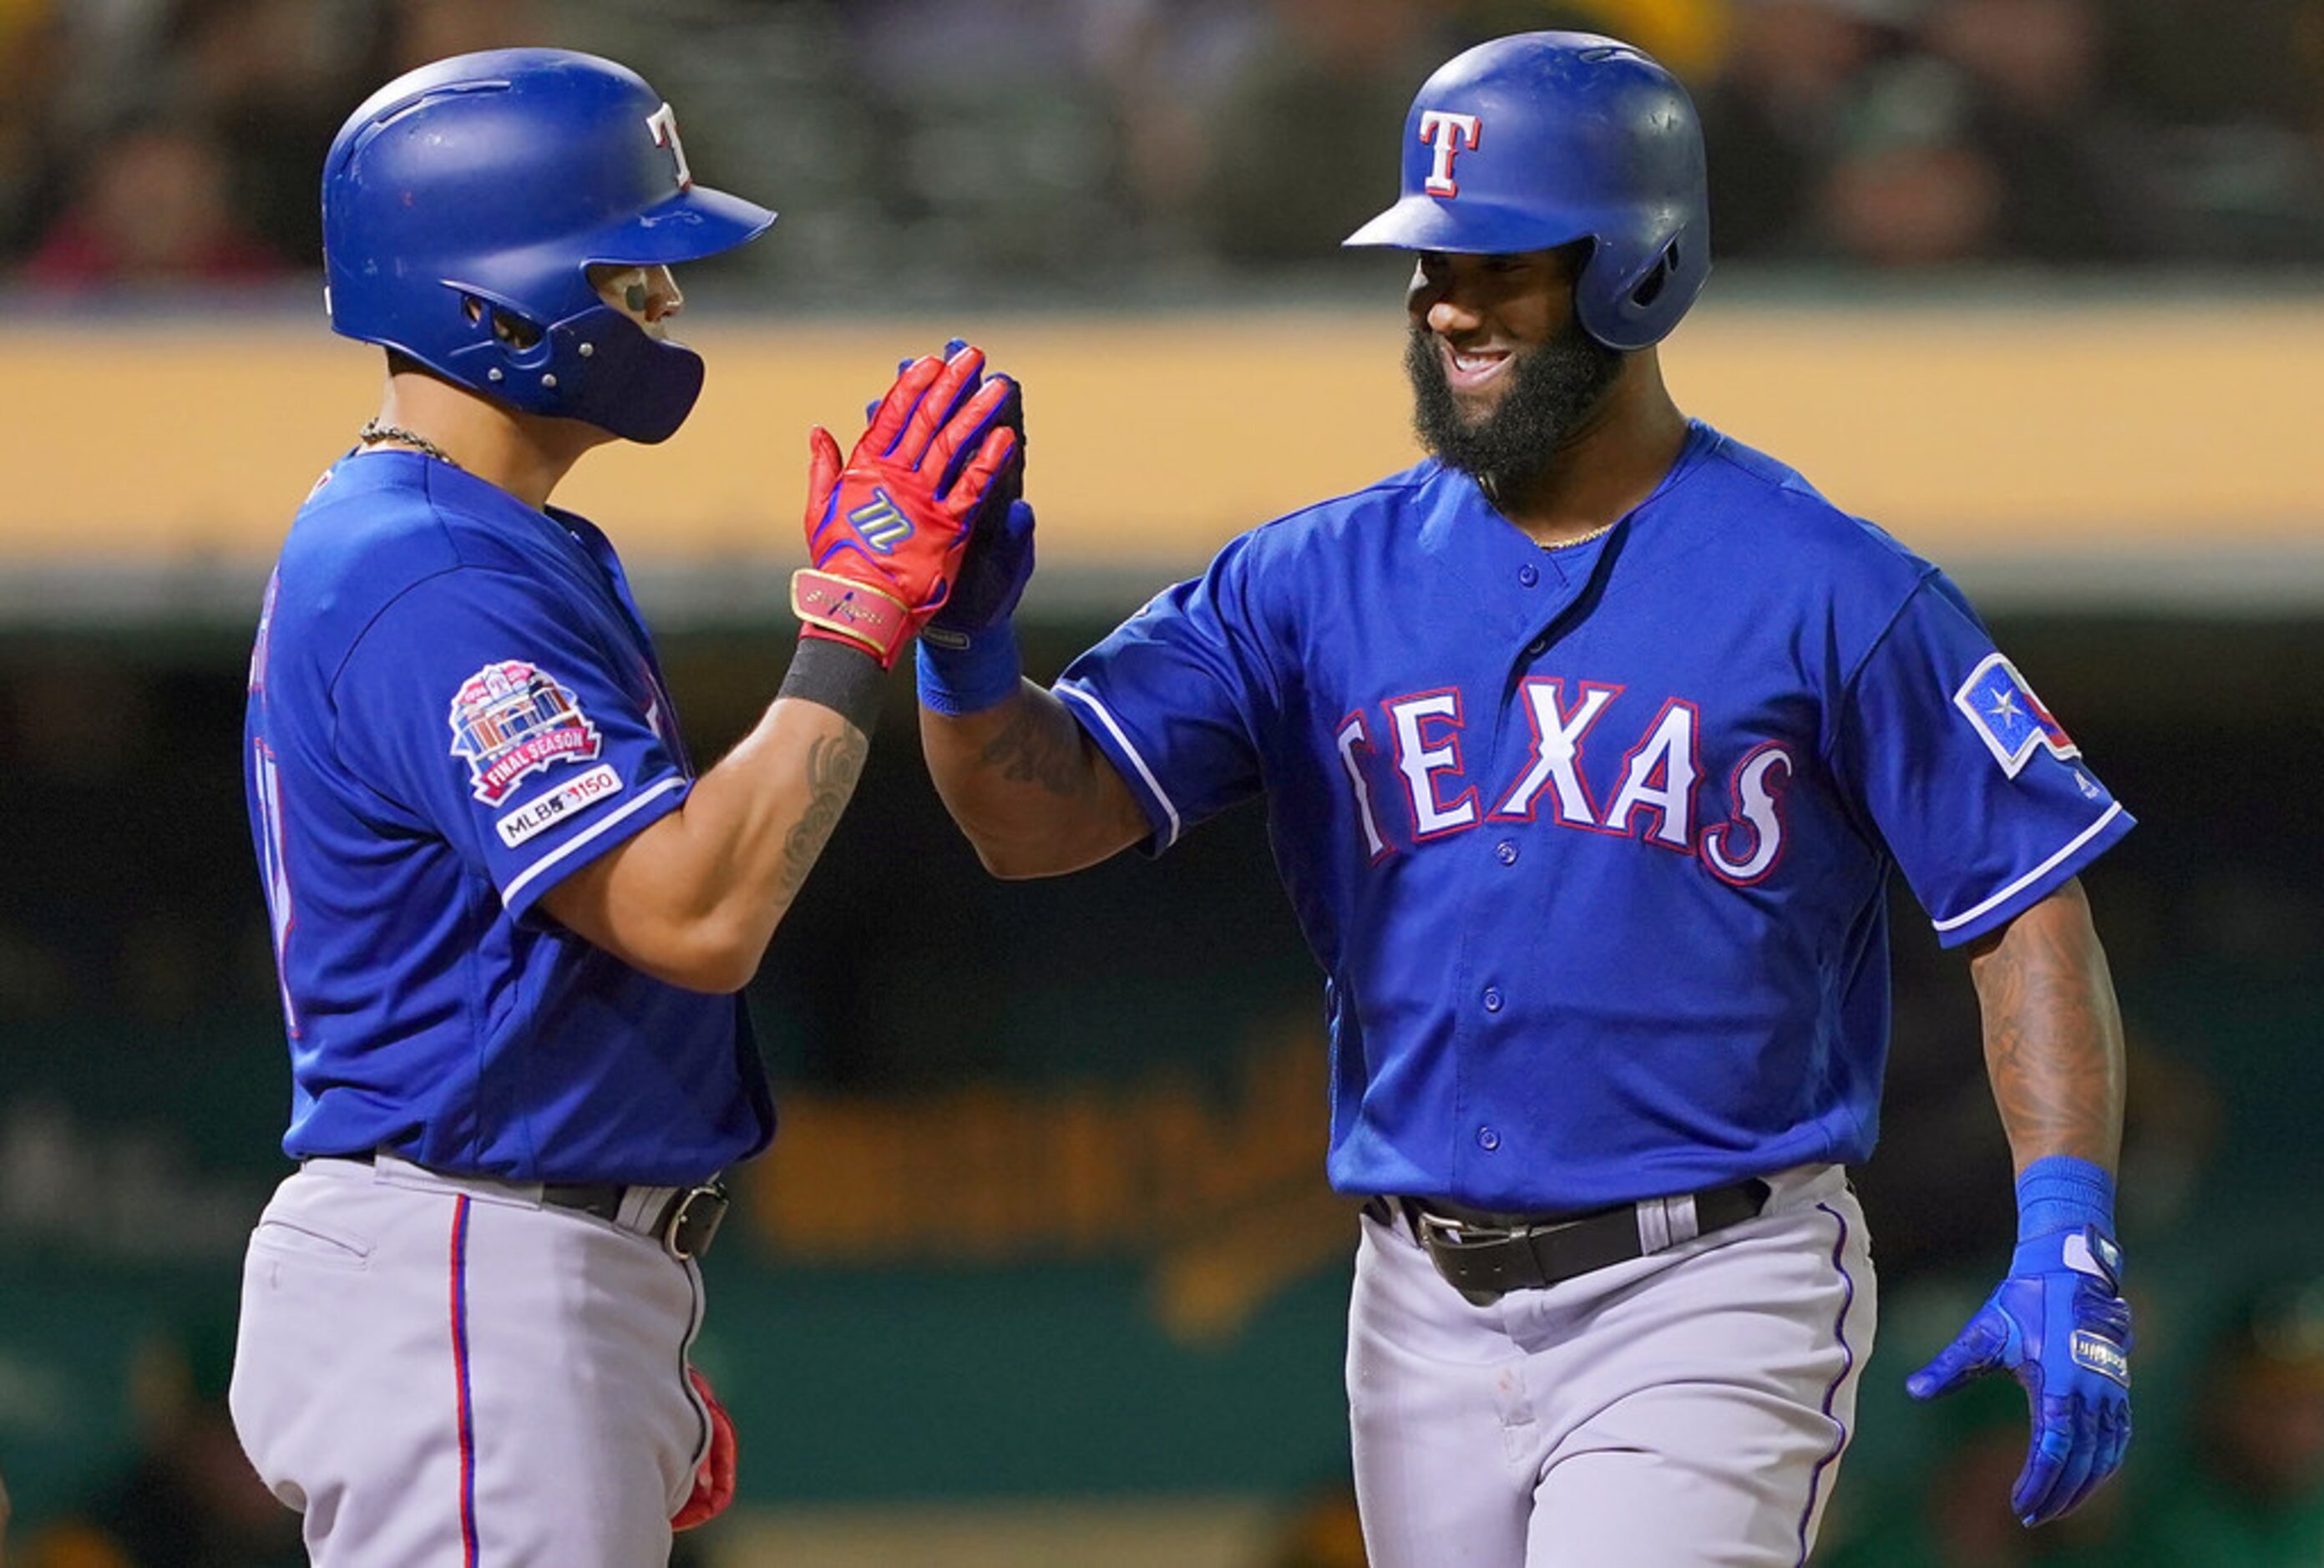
x: 1447, y: 132
x: 663, y: 123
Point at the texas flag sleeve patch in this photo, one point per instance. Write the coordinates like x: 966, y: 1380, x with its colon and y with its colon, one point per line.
x: 2009, y: 717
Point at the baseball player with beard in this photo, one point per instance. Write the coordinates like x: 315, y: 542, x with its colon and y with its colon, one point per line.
x: 1588, y: 745
x: 510, y: 917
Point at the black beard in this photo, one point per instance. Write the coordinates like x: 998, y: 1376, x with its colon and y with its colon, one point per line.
x: 1552, y: 390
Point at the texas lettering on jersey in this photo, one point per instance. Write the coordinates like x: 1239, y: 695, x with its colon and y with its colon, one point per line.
x: 1695, y: 752
x: 1656, y: 790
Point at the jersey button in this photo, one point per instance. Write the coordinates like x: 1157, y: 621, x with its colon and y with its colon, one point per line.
x: 1528, y: 576
x: 1492, y: 999
x: 1538, y: 646
x: 1506, y: 851
x: 1488, y: 1139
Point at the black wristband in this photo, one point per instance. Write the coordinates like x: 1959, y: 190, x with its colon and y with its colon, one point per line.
x: 838, y: 675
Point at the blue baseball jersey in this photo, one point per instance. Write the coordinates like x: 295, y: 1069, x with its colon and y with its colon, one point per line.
x: 1592, y: 842
x: 453, y: 706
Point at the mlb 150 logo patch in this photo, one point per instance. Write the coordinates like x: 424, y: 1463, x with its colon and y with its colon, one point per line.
x: 560, y: 805
x: 510, y: 720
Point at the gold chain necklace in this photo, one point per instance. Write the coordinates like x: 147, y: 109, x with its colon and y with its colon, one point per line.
x: 375, y: 431
x: 1567, y: 544
x: 1493, y: 494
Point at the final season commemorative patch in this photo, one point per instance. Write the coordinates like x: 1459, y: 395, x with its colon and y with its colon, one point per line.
x: 2009, y: 717
x: 509, y: 720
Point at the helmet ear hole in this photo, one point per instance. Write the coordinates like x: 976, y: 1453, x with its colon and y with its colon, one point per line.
x: 1650, y: 287
x: 514, y: 330
x: 507, y: 327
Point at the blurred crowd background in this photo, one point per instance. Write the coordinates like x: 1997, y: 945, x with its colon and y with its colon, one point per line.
x: 1101, y: 150
x: 1042, y: 1270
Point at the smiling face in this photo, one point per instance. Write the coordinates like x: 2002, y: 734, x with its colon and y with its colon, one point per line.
x: 1502, y: 373
x: 648, y: 296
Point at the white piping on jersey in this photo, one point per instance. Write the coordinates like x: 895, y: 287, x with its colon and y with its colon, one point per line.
x: 2003, y: 897
x: 509, y: 894
x: 1169, y: 808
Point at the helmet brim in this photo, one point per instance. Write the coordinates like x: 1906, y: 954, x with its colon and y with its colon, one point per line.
x: 1471, y: 228
x: 694, y: 223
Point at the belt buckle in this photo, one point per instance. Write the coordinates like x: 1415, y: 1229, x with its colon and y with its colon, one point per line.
x: 1435, y: 1228
x: 1444, y: 1230
x: 694, y: 1220
x: 1454, y: 1232
x: 1443, y: 1238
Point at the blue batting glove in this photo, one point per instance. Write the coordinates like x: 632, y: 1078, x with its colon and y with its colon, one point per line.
x: 2059, y: 1326
x: 968, y: 658
x: 992, y: 579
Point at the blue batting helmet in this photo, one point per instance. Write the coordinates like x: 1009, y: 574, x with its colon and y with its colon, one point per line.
x: 464, y: 202
x: 1543, y: 139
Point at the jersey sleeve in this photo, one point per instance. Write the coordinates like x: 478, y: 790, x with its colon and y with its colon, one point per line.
x: 1979, y: 793
x: 1175, y: 696
x: 482, y: 706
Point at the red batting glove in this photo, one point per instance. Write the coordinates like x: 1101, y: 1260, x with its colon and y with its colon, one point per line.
x: 713, y: 1482
x: 885, y: 532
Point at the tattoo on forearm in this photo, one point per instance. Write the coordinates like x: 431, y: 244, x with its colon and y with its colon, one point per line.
x: 834, y: 765
x: 2053, y: 1038
x: 1036, y: 748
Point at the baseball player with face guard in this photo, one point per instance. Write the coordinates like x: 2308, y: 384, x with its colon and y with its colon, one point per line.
x: 1588, y: 745
x: 510, y: 917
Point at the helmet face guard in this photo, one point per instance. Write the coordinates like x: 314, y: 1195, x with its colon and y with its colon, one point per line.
x: 481, y: 190
x: 1544, y: 139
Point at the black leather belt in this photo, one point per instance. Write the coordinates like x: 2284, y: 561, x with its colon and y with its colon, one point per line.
x: 1484, y: 1254
x: 684, y: 1222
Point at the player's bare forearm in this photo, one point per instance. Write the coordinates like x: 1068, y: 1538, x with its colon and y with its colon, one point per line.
x: 1032, y: 792
x: 2053, y: 1032
x: 696, y: 897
